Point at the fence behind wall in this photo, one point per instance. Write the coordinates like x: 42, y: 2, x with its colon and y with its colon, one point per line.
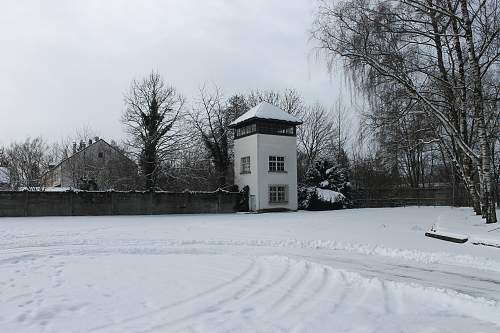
x: 397, y: 197
x: 115, y: 203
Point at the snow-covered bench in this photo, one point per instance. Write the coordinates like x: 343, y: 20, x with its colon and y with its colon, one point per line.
x: 447, y: 236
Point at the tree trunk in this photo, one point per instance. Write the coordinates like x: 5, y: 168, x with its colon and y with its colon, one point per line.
x: 149, y: 167
x: 460, y: 169
x: 486, y: 178
x: 460, y: 164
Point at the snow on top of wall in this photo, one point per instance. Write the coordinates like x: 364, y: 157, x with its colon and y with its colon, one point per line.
x: 329, y: 195
x: 4, y: 175
x: 265, y: 110
x: 60, y: 189
x: 47, y: 189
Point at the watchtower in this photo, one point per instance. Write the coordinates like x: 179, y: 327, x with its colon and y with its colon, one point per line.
x: 265, y: 157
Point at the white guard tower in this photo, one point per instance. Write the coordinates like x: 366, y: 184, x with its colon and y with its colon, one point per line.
x: 265, y: 157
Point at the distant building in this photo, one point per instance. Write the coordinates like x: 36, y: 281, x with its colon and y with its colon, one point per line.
x: 93, y: 166
x: 4, y: 178
x: 265, y: 157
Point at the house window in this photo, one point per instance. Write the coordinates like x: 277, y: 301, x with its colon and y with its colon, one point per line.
x: 278, y: 193
x: 100, y: 155
x: 276, y: 163
x: 245, y: 164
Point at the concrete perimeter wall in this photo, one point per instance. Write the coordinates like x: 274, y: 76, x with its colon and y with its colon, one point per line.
x: 115, y: 203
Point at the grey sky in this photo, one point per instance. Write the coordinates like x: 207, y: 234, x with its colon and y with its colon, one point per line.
x: 67, y: 64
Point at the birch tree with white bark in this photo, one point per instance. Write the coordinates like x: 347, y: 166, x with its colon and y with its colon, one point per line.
x: 438, y: 52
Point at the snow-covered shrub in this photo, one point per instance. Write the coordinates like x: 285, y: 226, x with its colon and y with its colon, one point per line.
x: 314, y: 198
x: 327, y: 187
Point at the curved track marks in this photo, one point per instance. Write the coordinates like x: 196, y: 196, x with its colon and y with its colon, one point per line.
x: 296, y: 295
x: 275, y: 293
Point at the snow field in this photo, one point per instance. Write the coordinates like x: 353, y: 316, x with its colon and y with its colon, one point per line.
x: 367, y: 270
x: 226, y: 293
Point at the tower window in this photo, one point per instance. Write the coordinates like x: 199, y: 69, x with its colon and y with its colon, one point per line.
x: 265, y: 127
x: 278, y: 193
x: 245, y: 164
x: 276, y: 163
x: 276, y: 129
x: 246, y: 130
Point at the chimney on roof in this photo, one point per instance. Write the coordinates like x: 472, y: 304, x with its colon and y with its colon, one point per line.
x: 74, y: 147
x: 82, y: 145
x: 90, y: 142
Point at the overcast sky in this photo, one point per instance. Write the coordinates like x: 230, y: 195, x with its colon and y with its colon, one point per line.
x: 67, y: 64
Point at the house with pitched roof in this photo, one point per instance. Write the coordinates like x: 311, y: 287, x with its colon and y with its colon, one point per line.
x: 93, y: 166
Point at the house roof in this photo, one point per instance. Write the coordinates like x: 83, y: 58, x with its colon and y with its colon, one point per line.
x: 84, y: 149
x: 265, y: 110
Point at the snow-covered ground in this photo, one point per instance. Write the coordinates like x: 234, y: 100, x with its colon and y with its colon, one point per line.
x: 364, y: 270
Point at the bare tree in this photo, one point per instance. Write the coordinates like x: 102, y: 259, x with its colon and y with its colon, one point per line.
x: 401, y: 130
x: 27, y: 162
x: 190, y: 169
x: 342, y: 128
x: 417, y: 46
x: 210, y: 118
x: 315, y: 134
x: 289, y: 100
x: 3, y: 157
x: 237, y: 105
x: 152, y: 119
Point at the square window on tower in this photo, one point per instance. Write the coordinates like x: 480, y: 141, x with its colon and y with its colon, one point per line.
x: 277, y: 164
x: 278, y: 193
x: 245, y: 164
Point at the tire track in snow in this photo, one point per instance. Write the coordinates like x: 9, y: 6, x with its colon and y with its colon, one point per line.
x: 323, y: 293
x: 212, y: 306
x: 460, y: 260
x: 305, y: 270
x: 193, y: 298
x: 243, y: 309
x: 278, y: 270
x: 319, y: 303
x: 299, y: 286
x: 308, y: 300
x: 339, y: 297
x: 273, y: 283
x: 361, y: 293
x: 298, y: 292
x: 312, y: 295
